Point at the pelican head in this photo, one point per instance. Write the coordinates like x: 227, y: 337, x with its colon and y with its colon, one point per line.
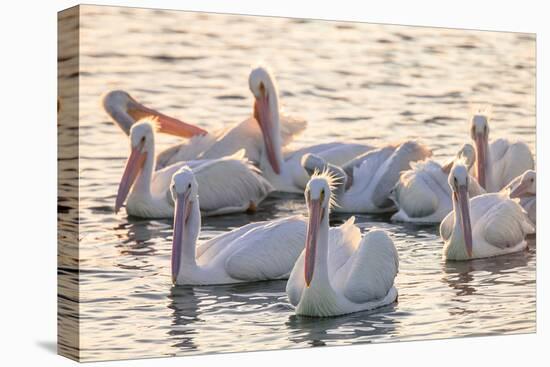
x: 184, y: 189
x: 184, y: 184
x: 312, y: 162
x: 468, y: 154
x: 266, y: 113
x: 527, y: 185
x: 318, y: 200
x: 459, y: 181
x: 142, y: 143
x: 480, y: 135
x: 125, y: 110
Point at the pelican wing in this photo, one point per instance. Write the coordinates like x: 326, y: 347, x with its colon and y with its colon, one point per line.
x: 446, y: 226
x: 208, y: 250
x: 420, y: 190
x: 248, y: 136
x: 372, y: 268
x: 296, y: 281
x: 269, y: 251
x: 343, y: 241
x: 229, y: 184
x: 166, y: 156
x: 335, y: 153
x: 365, y: 167
x: 388, y: 174
x: 290, y: 127
x: 505, y: 224
x: 191, y: 150
x: 509, y: 160
x: 244, y: 135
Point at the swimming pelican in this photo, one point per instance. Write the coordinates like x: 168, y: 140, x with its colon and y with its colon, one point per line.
x: 524, y: 188
x: 365, y: 183
x: 338, y: 272
x: 423, y: 195
x: 124, y: 110
x: 283, y: 169
x: 254, y: 252
x: 500, y: 162
x: 228, y: 185
x: 485, y: 226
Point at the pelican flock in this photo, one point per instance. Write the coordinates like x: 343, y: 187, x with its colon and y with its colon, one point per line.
x: 364, y: 184
x: 284, y: 169
x: 483, y: 198
x: 124, y: 110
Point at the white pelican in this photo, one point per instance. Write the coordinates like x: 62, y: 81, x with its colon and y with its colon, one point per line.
x: 254, y: 252
x: 283, y: 169
x: 338, y: 272
x: 125, y: 110
x: 423, y: 195
x: 524, y: 188
x: 500, y: 162
x: 366, y: 182
x: 485, y: 226
x: 228, y: 185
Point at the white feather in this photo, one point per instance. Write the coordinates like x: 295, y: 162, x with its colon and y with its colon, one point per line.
x: 226, y: 141
x: 268, y: 251
x: 375, y: 259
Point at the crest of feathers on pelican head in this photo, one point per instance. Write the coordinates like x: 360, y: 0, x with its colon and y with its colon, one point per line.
x: 480, y: 116
x: 484, y: 110
x: 323, y: 179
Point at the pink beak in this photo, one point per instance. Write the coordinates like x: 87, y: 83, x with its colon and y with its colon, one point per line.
x: 166, y: 124
x: 481, y: 146
x: 133, y: 167
x: 263, y: 116
x: 462, y: 198
x: 182, y: 211
x: 311, y: 238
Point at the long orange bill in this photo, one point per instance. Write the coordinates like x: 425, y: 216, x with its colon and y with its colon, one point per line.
x: 263, y: 116
x: 465, y: 215
x: 133, y: 166
x: 311, y: 238
x: 481, y: 146
x: 182, y: 211
x: 166, y: 124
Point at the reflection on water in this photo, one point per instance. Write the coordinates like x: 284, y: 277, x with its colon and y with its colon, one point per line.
x: 352, y: 81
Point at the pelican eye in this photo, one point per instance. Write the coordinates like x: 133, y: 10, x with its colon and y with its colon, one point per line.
x: 189, y: 186
x: 322, y: 194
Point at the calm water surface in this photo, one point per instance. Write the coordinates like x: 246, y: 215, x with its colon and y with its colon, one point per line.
x: 354, y: 82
